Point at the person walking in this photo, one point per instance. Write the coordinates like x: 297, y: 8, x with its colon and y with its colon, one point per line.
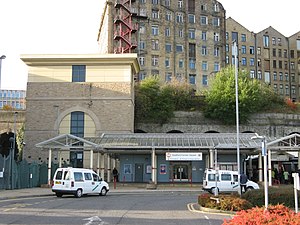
x: 115, y: 174
x: 243, y: 182
x: 286, y: 176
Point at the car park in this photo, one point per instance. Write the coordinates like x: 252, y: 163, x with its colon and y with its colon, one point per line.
x: 224, y: 181
x: 78, y: 182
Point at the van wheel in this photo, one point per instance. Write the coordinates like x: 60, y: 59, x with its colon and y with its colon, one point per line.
x: 213, y: 190
x: 103, y: 191
x: 59, y: 195
x: 78, y: 193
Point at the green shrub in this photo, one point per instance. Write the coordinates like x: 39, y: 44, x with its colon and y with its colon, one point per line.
x: 226, y: 202
x: 276, y: 195
x: 275, y: 215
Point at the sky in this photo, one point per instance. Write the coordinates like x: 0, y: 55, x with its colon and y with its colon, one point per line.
x: 71, y: 26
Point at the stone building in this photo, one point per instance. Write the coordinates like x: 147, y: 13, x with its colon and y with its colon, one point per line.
x: 83, y: 95
x: 182, y: 39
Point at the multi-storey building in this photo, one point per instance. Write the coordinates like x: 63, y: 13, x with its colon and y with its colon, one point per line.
x: 12, y: 98
x: 246, y: 44
x: 294, y: 64
x: 182, y: 39
x: 191, y: 40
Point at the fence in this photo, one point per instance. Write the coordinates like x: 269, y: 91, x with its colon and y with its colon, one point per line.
x: 16, y: 175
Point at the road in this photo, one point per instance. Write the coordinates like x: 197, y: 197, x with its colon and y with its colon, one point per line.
x: 144, y: 208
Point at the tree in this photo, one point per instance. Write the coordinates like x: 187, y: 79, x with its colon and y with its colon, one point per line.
x: 253, y: 96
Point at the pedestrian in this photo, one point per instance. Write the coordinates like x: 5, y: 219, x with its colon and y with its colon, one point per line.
x: 115, y: 174
x: 286, y: 176
x: 243, y: 182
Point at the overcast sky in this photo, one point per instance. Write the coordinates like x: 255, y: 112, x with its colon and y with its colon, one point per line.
x: 71, y: 26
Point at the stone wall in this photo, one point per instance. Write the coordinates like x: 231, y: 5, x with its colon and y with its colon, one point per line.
x: 7, y: 120
x: 268, y: 124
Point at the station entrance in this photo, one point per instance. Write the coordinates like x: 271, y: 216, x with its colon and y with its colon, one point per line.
x: 180, y: 171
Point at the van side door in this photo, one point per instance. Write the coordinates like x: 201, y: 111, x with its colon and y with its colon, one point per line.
x: 88, y: 182
x: 97, y: 183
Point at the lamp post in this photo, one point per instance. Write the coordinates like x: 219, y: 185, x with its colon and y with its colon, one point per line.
x: 264, y: 154
x: 235, y: 49
x: 1, y: 57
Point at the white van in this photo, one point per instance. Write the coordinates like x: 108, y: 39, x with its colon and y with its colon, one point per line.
x: 78, y: 182
x: 227, y: 181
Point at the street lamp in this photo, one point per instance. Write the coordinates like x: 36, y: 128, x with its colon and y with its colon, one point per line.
x: 235, y: 52
x: 1, y: 57
x: 264, y: 154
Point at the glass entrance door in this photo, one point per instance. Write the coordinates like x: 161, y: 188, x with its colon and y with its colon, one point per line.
x: 180, y: 172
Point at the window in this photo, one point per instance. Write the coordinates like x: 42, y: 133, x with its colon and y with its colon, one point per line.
x: 274, y: 76
x: 293, y: 77
x: 227, y: 47
x: 155, y: 45
x: 274, y: 52
x: 192, y: 33
x: 259, y: 75
x: 279, y: 53
x: 216, y: 21
x: 143, y: 1
x: 142, y: 29
x: 216, y: 51
x: 155, y: 30
x: 292, y: 54
x: 244, y: 61
x: 203, y: 36
x: 179, y: 17
x: 203, y: 7
x: 142, y: 45
x: 204, y: 80
x: 180, y: 4
x: 142, y: 75
x: 192, y: 63
x: 167, y: 62
x: 280, y: 76
x: 168, y: 16
x: 78, y: 73
x: 167, y: 2
x: 87, y: 176
x: 168, y: 48
x: 274, y: 63
x: 226, y: 177
x: 258, y: 51
x: 273, y: 41
x: 204, y: 50
x: 180, y: 33
x: 216, y: 7
x: 155, y: 14
x: 77, y: 124
x: 252, y: 50
x: 216, y: 66
x: 293, y: 90
x: 243, y: 37
x: 292, y: 66
x: 216, y: 36
x: 192, y: 78
x: 243, y: 49
x: 179, y: 48
x: 142, y: 61
x: 168, y: 77
x: 78, y: 176
x: 252, y: 62
x: 154, y: 60
x: 252, y: 74
x: 154, y: 2
x: 287, y: 91
x: 180, y: 63
x: 279, y: 41
x: 191, y: 18
x: 204, y: 66
x: 227, y: 36
x: 167, y: 32
x: 285, y: 53
x: 280, y: 64
x: 286, y: 77
x: 203, y: 20
x: 227, y: 59
x: 266, y: 41
x: 281, y: 89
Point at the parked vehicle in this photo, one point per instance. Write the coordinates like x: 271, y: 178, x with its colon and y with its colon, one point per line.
x: 78, y: 182
x: 224, y: 181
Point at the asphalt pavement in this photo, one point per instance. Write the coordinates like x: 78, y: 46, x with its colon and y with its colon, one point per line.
x: 118, y: 188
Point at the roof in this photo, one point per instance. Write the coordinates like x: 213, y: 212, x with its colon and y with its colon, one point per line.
x: 139, y: 142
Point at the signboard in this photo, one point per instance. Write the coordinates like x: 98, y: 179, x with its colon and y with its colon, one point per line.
x: 296, y: 181
x: 183, y: 156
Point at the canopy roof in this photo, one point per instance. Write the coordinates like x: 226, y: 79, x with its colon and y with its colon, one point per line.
x: 171, y: 141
